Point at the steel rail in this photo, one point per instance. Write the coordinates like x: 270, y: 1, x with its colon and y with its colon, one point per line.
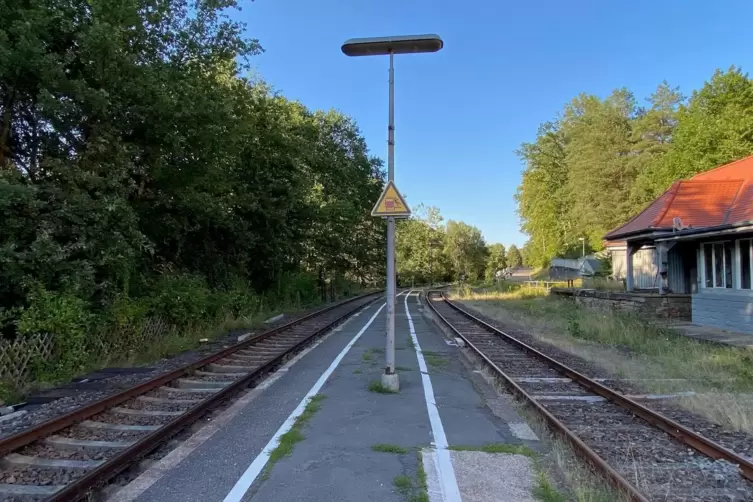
x: 675, y: 429
x: 583, y: 450
x: 80, y: 487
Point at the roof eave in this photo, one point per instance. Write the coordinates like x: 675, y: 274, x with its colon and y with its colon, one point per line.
x: 697, y: 233
x: 636, y: 234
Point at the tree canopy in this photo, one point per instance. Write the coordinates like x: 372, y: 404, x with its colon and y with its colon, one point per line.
x: 134, y: 152
x: 602, y: 160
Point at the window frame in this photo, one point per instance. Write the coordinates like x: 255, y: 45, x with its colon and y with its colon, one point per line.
x: 740, y: 258
x: 734, y: 268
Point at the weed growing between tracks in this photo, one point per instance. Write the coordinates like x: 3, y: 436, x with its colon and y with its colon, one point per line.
x: 629, y: 348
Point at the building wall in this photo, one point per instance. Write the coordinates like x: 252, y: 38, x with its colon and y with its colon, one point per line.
x: 645, y: 270
x: 730, y: 310
x: 723, y: 308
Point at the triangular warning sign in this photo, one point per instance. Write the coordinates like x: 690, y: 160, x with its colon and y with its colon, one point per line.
x: 391, y: 203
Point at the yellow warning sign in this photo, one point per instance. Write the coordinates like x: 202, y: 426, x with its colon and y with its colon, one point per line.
x: 391, y: 203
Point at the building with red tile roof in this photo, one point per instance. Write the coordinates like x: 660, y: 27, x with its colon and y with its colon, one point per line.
x: 696, y: 238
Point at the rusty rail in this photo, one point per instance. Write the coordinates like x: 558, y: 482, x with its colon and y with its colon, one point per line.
x: 79, y: 488
x: 674, y: 429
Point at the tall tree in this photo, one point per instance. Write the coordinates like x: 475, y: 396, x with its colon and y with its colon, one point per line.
x: 495, y: 261
x: 466, y: 249
x: 715, y: 127
x: 653, y: 129
x: 598, y: 153
x: 543, y: 195
x: 514, y: 258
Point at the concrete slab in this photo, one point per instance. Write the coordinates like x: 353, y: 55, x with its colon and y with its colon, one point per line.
x: 498, y: 477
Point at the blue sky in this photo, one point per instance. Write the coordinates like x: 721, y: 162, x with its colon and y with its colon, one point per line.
x: 506, y: 67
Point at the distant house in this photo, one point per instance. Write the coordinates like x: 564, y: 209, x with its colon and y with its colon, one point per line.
x: 696, y: 238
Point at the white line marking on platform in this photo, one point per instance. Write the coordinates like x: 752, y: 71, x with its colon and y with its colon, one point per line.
x: 448, y: 483
x: 252, y: 472
x: 146, y: 479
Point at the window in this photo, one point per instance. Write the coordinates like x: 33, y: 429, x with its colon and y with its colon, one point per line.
x: 746, y: 263
x: 718, y: 264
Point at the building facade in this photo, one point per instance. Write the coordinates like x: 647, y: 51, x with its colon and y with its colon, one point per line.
x: 696, y: 239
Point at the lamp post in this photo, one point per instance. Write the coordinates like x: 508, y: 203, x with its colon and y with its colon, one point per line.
x: 583, y: 243
x: 382, y: 46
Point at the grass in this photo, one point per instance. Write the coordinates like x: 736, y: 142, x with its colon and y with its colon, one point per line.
x: 435, y: 359
x: 366, y: 356
x: 294, y: 435
x: 389, y: 448
x: 628, y: 347
x: 514, y: 449
x: 423, y: 487
x: 403, y: 483
x: 403, y: 368
x: 413, y: 491
x: 544, y: 491
x: 583, y: 485
x: 376, y: 386
x: 357, y: 372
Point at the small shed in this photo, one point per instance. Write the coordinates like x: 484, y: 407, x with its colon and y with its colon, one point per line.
x: 589, y: 267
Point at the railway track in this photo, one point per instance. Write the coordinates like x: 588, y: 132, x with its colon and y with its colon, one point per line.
x: 642, y: 453
x: 67, y: 457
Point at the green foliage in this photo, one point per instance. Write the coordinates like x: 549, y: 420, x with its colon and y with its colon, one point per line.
x: 181, y: 299
x: 466, y: 250
x: 495, y: 261
x: 514, y: 258
x: 141, y: 174
x: 603, y: 160
x: 65, y: 315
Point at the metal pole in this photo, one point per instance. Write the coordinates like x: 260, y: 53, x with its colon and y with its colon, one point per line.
x: 390, y: 379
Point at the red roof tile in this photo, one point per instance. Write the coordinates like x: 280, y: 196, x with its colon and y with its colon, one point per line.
x: 723, y: 195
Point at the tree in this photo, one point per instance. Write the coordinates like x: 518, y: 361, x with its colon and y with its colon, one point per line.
x: 653, y: 130
x: 420, y: 244
x: 715, y: 127
x: 134, y: 154
x: 495, y: 261
x: 597, y: 154
x: 544, y: 194
x: 514, y: 258
x: 466, y: 249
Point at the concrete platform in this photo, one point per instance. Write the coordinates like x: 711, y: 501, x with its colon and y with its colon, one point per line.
x: 338, y: 458
x: 705, y: 333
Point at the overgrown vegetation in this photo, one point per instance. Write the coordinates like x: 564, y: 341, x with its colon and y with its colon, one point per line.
x: 602, y: 160
x: 628, y: 347
x: 142, y: 175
